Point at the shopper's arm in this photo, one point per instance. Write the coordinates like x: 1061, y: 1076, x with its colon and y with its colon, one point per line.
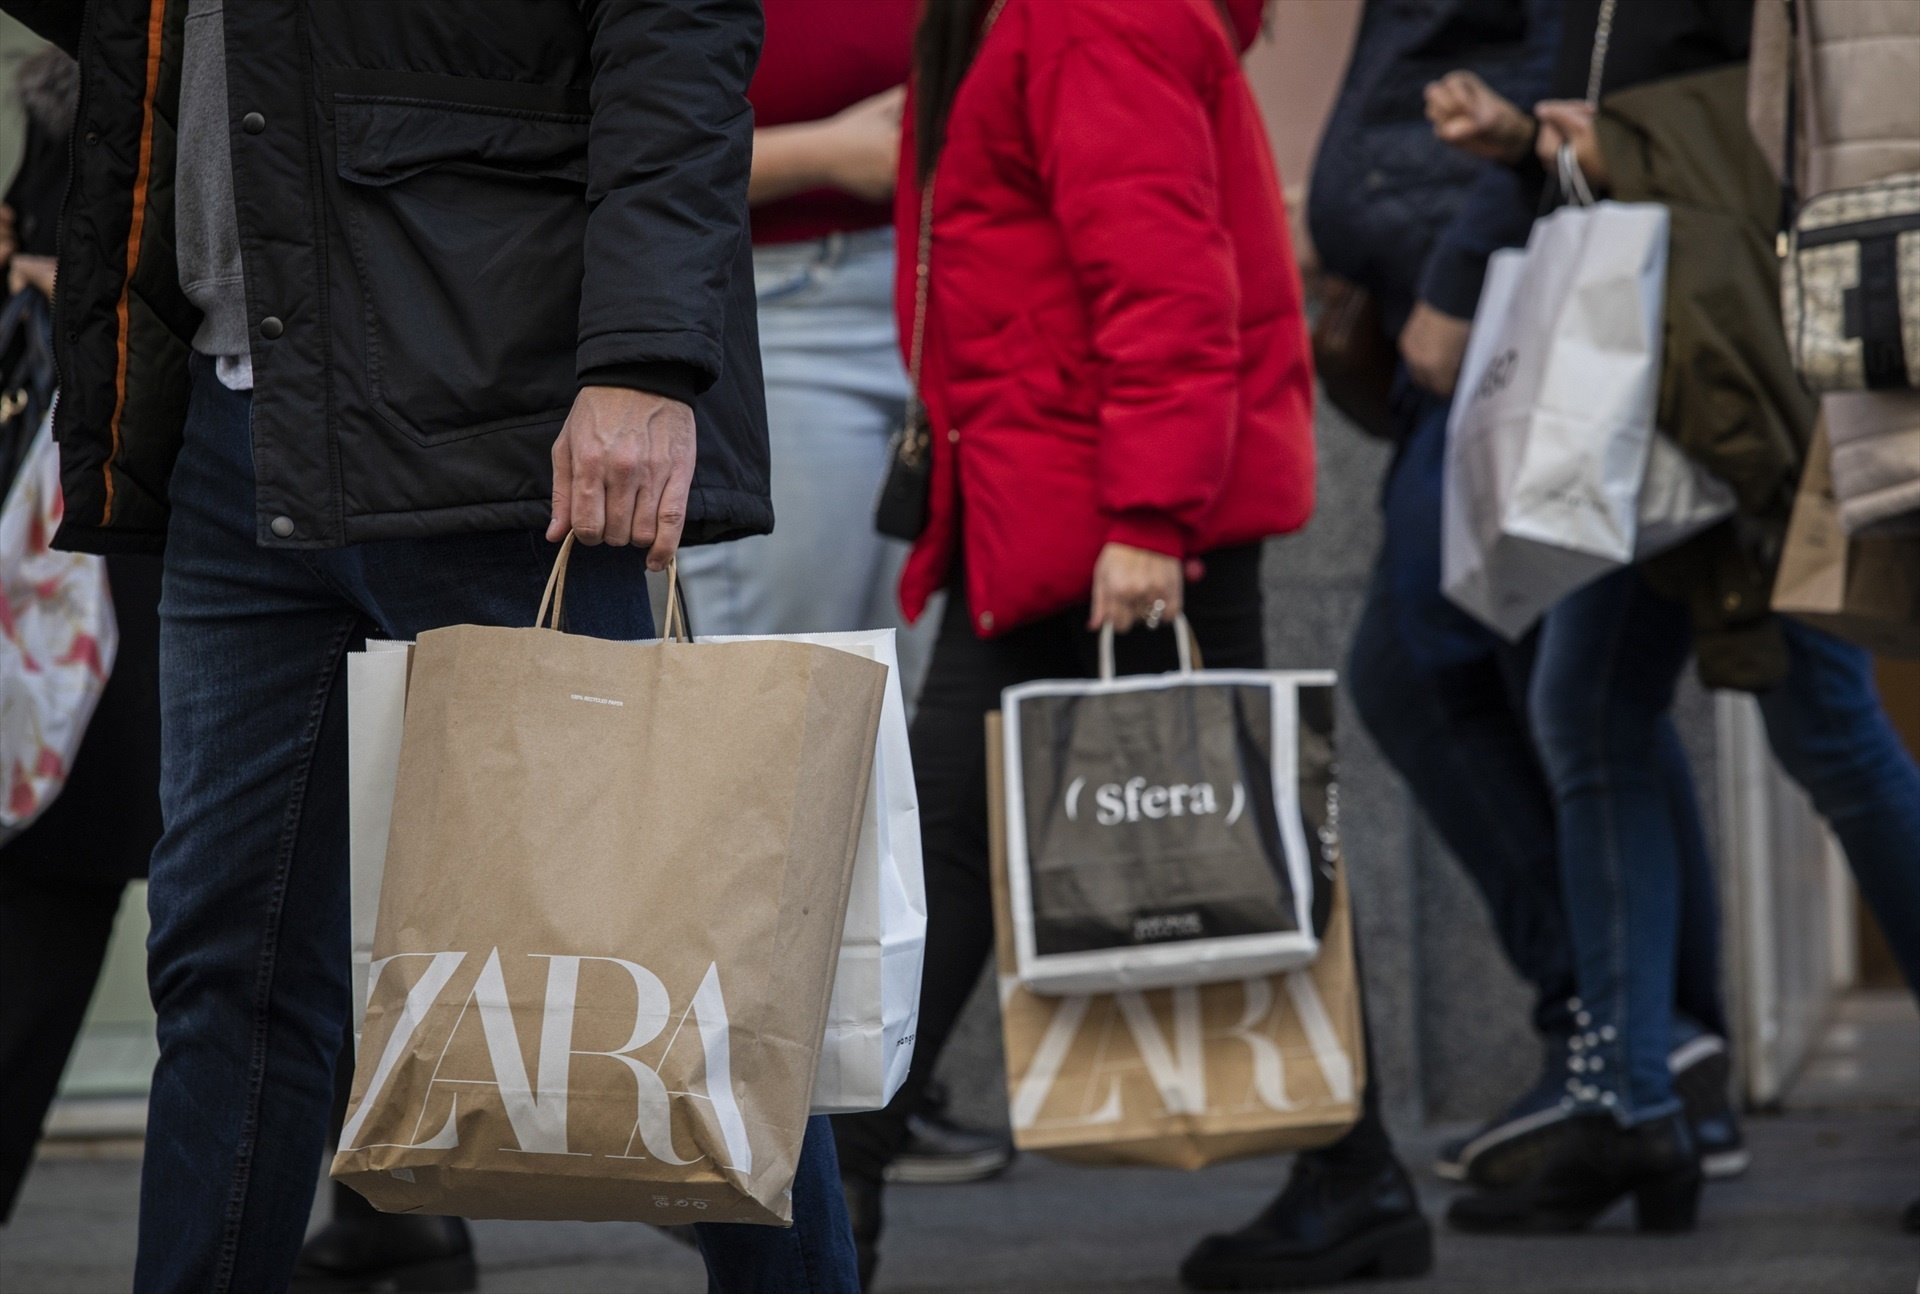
x: 856, y: 151
x: 1126, y: 158
x: 1499, y: 207
x: 669, y: 148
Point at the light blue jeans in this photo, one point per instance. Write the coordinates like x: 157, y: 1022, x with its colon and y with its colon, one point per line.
x: 836, y: 391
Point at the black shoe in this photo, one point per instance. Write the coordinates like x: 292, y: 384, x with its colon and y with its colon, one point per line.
x: 1702, y: 1078
x: 1515, y: 1144
x: 863, y: 1211
x: 939, y: 1152
x: 387, y: 1252
x: 1329, y: 1224
x: 1598, y: 1163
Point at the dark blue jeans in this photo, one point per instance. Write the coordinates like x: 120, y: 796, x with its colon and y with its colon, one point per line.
x: 248, y: 959
x: 1446, y: 701
x: 1610, y: 657
x: 1829, y: 730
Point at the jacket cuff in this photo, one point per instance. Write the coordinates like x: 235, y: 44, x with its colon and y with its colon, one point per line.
x: 1452, y: 280
x: 675, y: 381
x: 1152, y: 531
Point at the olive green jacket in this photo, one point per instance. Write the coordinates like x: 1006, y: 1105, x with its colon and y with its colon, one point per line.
x: 1728, y: 390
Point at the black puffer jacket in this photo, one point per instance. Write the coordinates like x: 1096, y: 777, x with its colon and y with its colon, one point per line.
x: 448, y: 214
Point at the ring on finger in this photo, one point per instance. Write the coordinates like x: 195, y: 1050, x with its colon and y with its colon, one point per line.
x: 1156, y: 613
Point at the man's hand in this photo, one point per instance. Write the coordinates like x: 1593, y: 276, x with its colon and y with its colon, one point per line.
x: 1433, y: 343
x: 1127, y: 582
x: 1570, y: 121
x: 621, y: 470
x: 1472, y: 116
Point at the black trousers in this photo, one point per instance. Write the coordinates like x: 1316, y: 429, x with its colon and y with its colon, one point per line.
x: 948, y: 738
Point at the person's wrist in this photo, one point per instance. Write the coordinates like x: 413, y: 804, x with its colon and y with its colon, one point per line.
x: 808, y: 153
x: 820, y: 153
x: 1522, y: 139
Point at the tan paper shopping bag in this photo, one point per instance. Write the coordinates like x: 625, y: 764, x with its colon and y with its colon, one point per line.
x: 1181, y: 1077
x: 614, y: 887
x: 1864, y: 590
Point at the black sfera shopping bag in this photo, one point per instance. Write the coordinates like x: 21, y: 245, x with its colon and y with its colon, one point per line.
x: 1167, y: 829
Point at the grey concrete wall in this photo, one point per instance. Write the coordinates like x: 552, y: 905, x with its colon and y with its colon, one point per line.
x: 1448, y: 1017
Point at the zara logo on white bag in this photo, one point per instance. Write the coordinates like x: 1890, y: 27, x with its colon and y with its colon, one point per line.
x: 1134, y: 799
x: 536, y: 1106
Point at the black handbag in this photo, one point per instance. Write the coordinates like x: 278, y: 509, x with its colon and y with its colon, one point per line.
x: 906, y: 493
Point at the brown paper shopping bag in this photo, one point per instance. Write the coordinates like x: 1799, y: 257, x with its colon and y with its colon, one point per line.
x: 1181, y: 1077
x: 614, y: 887
x: 1865, y: 590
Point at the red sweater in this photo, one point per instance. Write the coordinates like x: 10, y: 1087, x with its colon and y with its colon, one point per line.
x: 1115, y: 349
x: 821, y: 56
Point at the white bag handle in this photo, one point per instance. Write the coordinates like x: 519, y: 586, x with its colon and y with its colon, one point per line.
x: 1183, y: 642
x: 1573, y: 181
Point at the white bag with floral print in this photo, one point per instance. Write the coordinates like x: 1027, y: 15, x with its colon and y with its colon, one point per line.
x: 57, y: 641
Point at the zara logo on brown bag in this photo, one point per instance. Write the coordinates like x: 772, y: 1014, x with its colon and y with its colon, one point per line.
x: 435, y: 1021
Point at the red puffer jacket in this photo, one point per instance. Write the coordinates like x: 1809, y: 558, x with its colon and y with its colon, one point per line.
x: 1115, y: 349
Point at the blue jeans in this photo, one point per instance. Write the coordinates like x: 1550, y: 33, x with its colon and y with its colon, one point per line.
x: 836, y: 393
x: 1828, y: 729
x: 1610, y: 658
x: 248, y: 958
x: 1446, y: 701
x: 1609, y: 661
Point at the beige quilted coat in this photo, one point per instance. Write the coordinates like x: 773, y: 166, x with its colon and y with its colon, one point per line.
x: 1859, y: 122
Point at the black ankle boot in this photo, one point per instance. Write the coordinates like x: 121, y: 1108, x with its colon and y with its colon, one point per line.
x: 863, y: 1211
x: 387, y: 1251
x: 1597, y: 1164
x: 1333, y: 1222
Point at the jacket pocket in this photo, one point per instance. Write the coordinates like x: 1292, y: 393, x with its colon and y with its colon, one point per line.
x: 466, y: 227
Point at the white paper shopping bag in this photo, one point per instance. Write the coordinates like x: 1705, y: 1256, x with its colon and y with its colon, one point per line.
x: 1550, y: 434
x: 1555, y: 472
x: 376, y: 711
x: 875, y: 1009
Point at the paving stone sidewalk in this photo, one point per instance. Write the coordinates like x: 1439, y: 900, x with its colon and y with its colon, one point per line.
x: 1817, y: 1213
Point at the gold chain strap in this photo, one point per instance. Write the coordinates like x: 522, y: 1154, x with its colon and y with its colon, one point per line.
x: 1602, y: 37
x: 915, y: 442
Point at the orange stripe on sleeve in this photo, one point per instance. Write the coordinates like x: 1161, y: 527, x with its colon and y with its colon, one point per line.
x: 156, y: 20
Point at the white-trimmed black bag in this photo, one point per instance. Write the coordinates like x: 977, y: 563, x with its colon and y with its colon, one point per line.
x: 1168, y: 829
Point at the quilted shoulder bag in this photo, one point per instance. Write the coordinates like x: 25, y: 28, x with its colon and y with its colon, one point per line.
x: 1850, y: 272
